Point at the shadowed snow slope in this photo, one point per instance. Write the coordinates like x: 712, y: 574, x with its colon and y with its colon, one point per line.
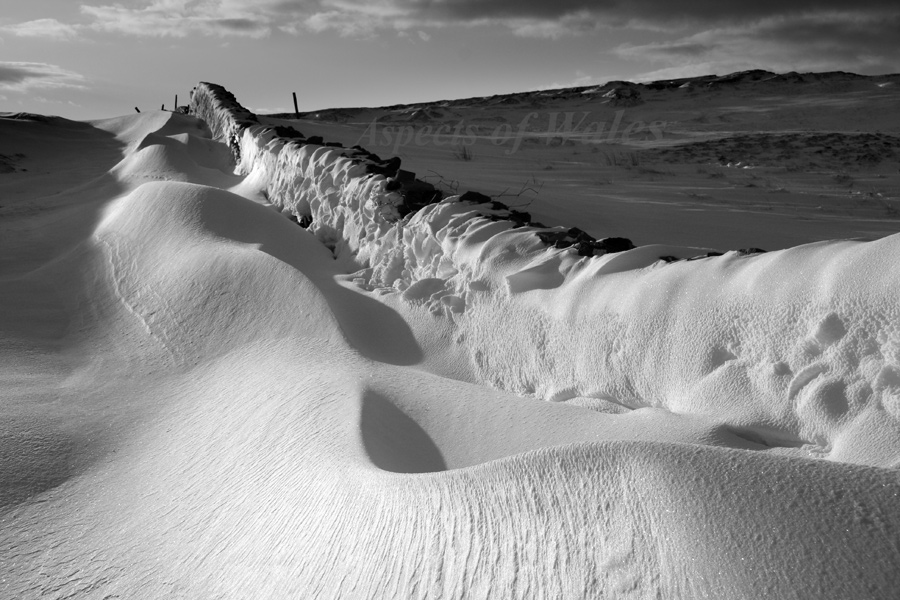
x: 197, y: 402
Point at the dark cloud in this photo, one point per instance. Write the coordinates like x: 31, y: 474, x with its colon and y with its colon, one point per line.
x: 11, y: 74
x: 657, y: 11
x: 180, y: 18
x: 237, y: 25
x: 21, y: 76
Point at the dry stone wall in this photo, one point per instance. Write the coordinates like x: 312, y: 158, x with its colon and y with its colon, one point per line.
x: 399, y: 230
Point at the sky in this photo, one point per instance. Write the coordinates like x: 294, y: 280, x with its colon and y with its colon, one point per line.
x: 96, y: 59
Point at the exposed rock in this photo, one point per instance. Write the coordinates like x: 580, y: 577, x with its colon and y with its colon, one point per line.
x: 615, y: 244
x: 580, y: 235
x: 388, y: 168
x: 405, y: 176
x: 417, y: 194
x: 475, y: 197
x: 519, y: 217
x: 287, y: 132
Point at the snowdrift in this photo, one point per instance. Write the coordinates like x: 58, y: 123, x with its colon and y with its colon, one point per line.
x: 795, y: 348
x: 198, y: 401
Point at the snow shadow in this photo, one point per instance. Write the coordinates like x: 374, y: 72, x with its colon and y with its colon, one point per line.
x: 394, y: 441
x: 61, y: 187
x: 374, y: 329
x: 39, y: 454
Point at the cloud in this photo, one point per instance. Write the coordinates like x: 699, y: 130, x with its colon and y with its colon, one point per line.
x: 562, y: 17
x: 42, y: 28
x: 248, y: 18
x: 180, y: 18
x: 600, y: 12
x: 539, y: 18
x: 849, y: 40
x: 342, y: 23
x: 772, y: 34
x: 26, y: 76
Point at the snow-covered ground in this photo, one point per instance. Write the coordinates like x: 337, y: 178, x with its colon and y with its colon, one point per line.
x: 201, y: 399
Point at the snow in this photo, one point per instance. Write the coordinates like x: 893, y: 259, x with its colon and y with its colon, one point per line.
x: 204, y: 400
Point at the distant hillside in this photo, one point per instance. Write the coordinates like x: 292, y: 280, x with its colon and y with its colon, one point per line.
x: 753, y: 80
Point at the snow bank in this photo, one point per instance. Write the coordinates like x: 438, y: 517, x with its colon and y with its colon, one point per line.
x: 796, y: 348
x: 186, y: 412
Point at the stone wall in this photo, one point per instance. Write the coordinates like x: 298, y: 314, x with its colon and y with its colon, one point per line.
x: 367, y: 209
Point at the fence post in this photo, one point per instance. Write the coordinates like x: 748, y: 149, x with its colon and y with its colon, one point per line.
x: 296, y: 110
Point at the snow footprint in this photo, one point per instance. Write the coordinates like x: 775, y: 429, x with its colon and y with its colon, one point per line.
x: 829, y: 331
x: 887, y: 383
x: 717, y: 357
x: 804, y: 377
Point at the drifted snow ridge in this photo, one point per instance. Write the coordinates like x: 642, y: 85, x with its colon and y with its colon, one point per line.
x: 795, y: 348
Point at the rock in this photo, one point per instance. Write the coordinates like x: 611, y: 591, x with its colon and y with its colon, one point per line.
x: 614, y: 244
x: 475, y: 197
x: 287, y: 132
x: 585, y: 248
x: 388, y: 168
x: 405, y: 176
x: 580, y: 235
x: 417, y: 194
x: 519, y: 217
x: 551, y: 237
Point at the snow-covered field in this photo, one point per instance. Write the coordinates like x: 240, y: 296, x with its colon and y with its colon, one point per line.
x: 202, y: 399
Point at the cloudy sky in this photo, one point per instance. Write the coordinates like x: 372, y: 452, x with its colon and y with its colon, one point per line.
x: 90, y: 60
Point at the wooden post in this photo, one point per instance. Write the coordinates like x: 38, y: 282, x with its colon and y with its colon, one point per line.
x: 175, y: 108
x: 296, y: 110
